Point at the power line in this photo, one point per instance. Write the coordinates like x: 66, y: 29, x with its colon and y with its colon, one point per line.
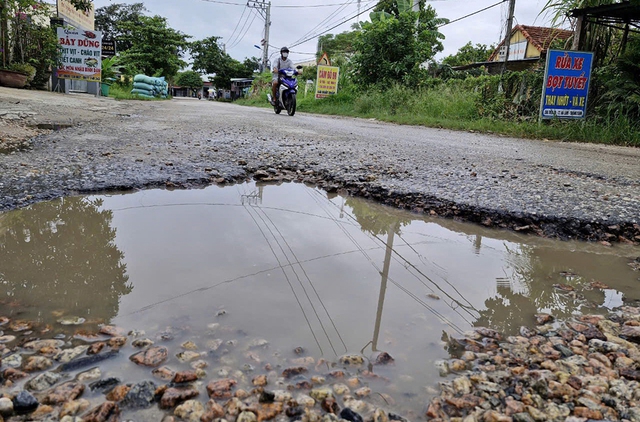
x: 255, y: 15
x: 283, y: 6
x: 325, y: 20
x: 471, y: 14
x: 335, y: 26
x: 238, y: 24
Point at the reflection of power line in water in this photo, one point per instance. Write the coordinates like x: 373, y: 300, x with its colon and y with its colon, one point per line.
x: 438, y: 287
x: 410, y: 264
x: 292, y: 265
x: 366, y: 255
x: 287, y: 278
x: 210, y: 287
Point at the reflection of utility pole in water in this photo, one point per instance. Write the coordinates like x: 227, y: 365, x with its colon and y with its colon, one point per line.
x: 477, y: 244
x: 383, y: 284
x: 254, y: 198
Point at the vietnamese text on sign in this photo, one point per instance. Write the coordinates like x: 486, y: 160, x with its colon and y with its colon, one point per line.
x: 81, y: 54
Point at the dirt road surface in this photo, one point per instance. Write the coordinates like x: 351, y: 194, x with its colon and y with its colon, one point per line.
x: 553, y: 189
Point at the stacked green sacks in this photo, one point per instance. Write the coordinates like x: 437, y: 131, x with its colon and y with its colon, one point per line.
x: 149, y: 87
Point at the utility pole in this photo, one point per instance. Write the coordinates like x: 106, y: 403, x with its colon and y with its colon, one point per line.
x: 507, y: 40
x: 264, y: 8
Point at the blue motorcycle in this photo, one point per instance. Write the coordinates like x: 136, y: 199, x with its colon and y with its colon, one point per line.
x: 287, y: 91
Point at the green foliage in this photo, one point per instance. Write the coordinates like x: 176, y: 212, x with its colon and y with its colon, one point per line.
x: 231, y: 68
x: 337, y: 46
x: 392, y: 50
x: 616, y: 87
x: 396, y: 7
x: 189, y: 79
x: 468, y: 54
x: 108, y: 69
x: 207, y: 55
x: 111, y: 21
x: 25, y: 68
x: 156, y: 49
x: 28, y: 43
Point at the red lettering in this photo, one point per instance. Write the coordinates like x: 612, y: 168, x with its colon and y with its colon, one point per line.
x: 578, y: 63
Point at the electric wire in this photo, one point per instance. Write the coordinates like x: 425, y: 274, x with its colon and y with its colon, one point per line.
x: 335, y: 26
x: 281, y: 6
x: 255, y: 15
x: 331, y: 15
x: 368, y: 257
x: 238, y: 24
x: 286, y: 276
x: 409, y: 264
x: 471, y: 14
x: 297, y: 261
x: 299, y: 280
x: 232, y: 40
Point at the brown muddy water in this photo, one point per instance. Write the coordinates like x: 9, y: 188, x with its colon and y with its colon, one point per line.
x: 267, y: 269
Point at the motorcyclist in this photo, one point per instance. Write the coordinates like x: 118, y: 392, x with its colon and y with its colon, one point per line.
x: 283, y: 62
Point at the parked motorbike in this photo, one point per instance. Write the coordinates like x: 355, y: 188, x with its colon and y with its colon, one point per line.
x: 287, y: 91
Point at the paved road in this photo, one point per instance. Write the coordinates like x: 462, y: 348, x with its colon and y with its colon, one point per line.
x: 550, y: 188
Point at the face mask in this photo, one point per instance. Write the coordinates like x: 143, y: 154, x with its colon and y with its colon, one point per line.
x: 285, y: 55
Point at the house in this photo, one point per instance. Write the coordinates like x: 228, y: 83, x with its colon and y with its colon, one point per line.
x: 527, y: 46
x: 527, y: 49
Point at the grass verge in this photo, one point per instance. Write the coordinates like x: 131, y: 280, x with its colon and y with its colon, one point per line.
x: 449, y: 107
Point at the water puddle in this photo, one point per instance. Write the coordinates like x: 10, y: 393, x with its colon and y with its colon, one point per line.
x: 53, y: 126
x: 250, y: 274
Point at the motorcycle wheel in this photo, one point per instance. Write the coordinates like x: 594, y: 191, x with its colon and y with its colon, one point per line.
x: 291, y: 105
x: 277, y: 109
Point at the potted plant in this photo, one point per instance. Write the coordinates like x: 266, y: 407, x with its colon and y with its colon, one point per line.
x: 28, y: 46
x: 108, y: 74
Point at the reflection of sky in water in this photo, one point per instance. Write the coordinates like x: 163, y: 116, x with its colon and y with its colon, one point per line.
x: 290, y: 265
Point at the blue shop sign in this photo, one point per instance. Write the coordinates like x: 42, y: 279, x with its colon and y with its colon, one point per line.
x: 566, y: 85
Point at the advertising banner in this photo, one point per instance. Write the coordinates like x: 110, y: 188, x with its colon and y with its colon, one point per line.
x: 327, y: 81
x: 566, y: 85
x: 81, y: 52
x: 77, y: 18
x: 108, y: 47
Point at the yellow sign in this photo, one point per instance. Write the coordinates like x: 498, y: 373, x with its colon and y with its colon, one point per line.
x: 327, y: 81
x: 74, y: 17
x: 324, y: 60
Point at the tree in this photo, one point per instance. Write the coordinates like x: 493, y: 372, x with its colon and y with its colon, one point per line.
x: 156, y: 49
x: 189, y: 79
x: 231, y: 68
x: 395, y: 7
x: 340, y: 45
x: 468, y: 54
x: 110, y: 20
x: 392, y: 49
x: 251, y: 64
x: 207, y: 55
x: 62, y: 255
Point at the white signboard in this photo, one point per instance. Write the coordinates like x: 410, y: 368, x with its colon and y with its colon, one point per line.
x: 81, y: 54
x: 517, y: 51
x: 78, y: 18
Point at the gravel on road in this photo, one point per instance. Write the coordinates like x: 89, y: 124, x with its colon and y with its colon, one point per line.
x: 553, y: 189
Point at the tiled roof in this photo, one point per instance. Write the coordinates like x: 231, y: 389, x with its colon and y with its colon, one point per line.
x: 540, y: 37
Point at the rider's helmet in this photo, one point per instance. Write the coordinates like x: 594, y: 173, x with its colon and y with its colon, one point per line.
x: 284, y: 52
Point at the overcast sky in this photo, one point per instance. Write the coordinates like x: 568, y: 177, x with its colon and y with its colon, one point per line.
x: 290, y: 25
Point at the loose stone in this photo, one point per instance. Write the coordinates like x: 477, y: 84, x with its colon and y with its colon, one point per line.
x: 24, y: 402
x: 140, y: 395
x: 350, y: 415
x: 190, y: 410
x: 174, y: 396
x: 64, y: 393
x: 151, y: 357
x: 106, y: 412
x: 221, y: 389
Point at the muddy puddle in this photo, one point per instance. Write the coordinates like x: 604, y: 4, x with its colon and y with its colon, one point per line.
x: 262, y: 278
